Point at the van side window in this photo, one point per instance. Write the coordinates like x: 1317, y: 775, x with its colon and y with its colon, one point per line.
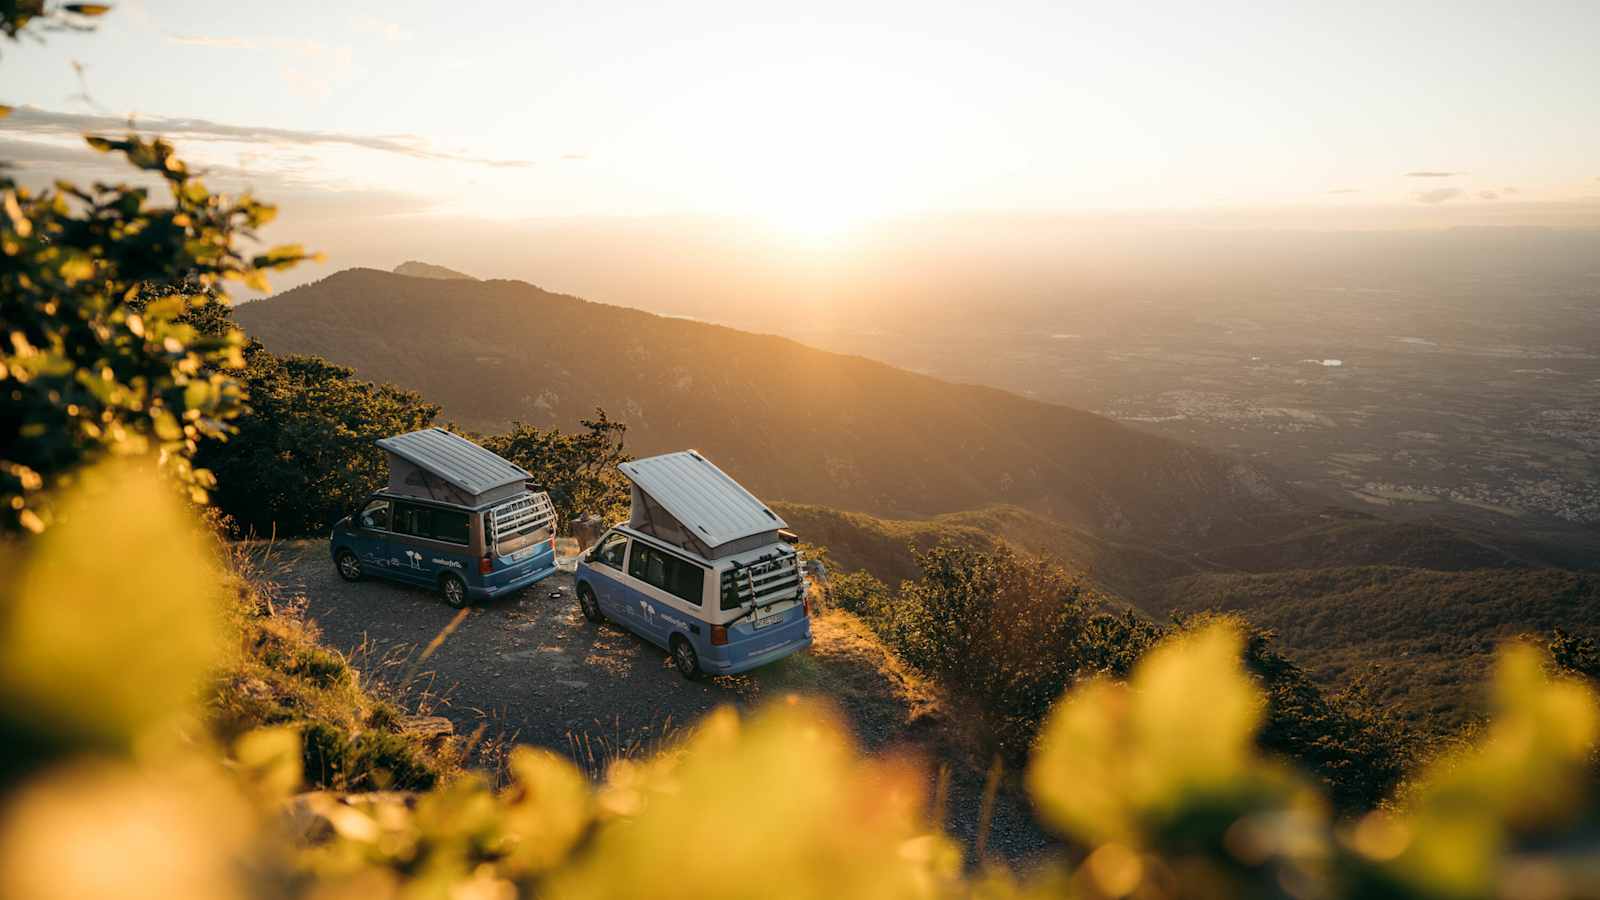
x: 611, y: 550
x: 376, y: 515
x: 678, y: 577
x: 449, y: 525
x: 413, y: 520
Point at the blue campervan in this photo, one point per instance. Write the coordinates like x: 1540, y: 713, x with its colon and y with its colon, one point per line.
x: 702, y: 569
x: 454, y: 517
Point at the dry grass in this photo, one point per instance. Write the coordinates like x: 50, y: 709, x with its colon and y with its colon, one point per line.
x: 354, y: 720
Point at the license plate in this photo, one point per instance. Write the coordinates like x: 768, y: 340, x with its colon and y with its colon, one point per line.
x: 769, y: 619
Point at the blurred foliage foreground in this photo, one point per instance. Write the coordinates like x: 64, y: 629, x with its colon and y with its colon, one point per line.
x: 118, y: 780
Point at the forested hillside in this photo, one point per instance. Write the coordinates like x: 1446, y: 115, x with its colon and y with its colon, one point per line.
x: 792, y: 422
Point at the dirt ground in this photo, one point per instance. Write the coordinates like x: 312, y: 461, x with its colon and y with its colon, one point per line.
x: 530, y: 668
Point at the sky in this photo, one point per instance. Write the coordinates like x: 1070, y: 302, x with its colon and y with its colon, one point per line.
x: 812, y: 121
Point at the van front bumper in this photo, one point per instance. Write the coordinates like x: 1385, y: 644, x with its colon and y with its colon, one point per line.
x: 500, y: 589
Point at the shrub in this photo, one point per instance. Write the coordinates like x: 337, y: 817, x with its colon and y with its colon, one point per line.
x: 304, y: 455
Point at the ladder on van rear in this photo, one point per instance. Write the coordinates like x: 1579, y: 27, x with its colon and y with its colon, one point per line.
x: 523, y: 514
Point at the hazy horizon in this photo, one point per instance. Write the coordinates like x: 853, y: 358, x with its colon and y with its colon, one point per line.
x: 856, y: 126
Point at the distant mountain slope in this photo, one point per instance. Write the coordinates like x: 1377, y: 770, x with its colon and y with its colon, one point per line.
x: 415, y: 269
x: 1432, y: 633
x: 883, y: 547
x: 790, y: 421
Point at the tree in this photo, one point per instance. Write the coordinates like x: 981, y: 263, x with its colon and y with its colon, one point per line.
x: 578, y: 470
x: 305, y: 454
x: 97, y: 359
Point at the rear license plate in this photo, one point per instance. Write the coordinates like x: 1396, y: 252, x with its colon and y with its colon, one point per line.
x: 770, y: 619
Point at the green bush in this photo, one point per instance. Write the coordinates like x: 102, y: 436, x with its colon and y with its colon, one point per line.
x: 1011, y: 633
x: 578, y: 470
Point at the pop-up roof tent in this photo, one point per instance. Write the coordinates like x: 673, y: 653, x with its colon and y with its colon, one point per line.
x: 683, y: 499
x: 435, y: 464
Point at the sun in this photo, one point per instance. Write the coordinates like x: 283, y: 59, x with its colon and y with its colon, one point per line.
x: 814, y: 217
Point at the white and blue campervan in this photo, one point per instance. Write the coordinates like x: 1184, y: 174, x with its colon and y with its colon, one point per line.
x: 702, y: 568
x: 454, y: 517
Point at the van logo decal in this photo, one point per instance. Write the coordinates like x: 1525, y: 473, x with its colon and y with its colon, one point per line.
x: 452, y: 563
x: 414, y: 558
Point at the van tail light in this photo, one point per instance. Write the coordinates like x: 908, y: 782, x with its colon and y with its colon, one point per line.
x: 485, y: 565
x: 719, y: 634
x: 805, y: 600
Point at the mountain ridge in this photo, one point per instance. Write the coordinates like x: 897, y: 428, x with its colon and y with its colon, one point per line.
x: 414, y: 269
x: 496, y: 351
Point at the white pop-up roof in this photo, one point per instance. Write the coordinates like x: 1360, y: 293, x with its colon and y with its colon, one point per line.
x: 440, y: 465
x: 684, y: 499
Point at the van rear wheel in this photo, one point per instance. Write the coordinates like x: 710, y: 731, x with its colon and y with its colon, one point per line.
x: 589, y: 605
x: 454, y: 590
x: 349, y: 567
x: 684, y: 658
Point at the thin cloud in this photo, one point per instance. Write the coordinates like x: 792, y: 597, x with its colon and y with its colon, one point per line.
x: 30, y: 120
x: 202, y: 40
x: 1438, y: 195
x: 389, y: 31
x: 1488, y: 195
x: 576, y: 157
x: 1345, y: 191
x: 1424, y: 173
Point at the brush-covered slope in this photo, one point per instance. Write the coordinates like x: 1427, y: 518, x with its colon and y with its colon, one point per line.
x: 1429, y: 632
x: 1432, y: 634
x: 790, y: 421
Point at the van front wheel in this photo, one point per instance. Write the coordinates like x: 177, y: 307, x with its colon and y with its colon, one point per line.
x: 455, y: 591
x: 349, y: 567
x: 588, y: 603
x: 684, y: 658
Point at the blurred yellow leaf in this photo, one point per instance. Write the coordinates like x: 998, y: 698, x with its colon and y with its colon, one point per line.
x: 114, y: 618
x: 107, y: 830
x: 1530, y: 771
x: 547, y: 810
x: 1111, y: 758
x: 269, y: 760
x: 783, y: 807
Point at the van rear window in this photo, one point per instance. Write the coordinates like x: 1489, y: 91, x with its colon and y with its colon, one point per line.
x: 449, y: 525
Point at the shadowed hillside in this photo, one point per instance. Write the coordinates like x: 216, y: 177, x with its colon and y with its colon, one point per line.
x: 791, y: 421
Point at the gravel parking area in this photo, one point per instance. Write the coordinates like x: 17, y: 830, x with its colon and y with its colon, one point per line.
x: 529, y: 667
